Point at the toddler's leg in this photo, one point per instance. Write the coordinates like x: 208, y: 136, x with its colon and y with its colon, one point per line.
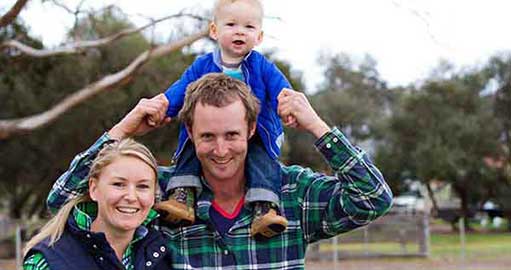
x: 178, y: 210
x: 264, y: 183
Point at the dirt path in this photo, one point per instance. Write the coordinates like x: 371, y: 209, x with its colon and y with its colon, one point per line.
x: 385, y: 264
x: 412, y: 264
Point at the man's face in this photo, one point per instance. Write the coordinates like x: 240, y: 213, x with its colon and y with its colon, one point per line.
x: 220, y: 136
x: 237, y: 29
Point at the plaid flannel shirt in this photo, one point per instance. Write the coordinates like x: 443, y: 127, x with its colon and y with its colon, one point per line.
x: 317, y: 207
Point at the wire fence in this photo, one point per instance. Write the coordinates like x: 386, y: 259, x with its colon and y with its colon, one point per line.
x: 403, y: 233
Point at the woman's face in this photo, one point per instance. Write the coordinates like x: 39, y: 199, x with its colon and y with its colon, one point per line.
x: 124, y: 192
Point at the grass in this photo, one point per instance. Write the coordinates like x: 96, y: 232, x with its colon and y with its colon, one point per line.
x: 491, y: 245
x: 483, y: 246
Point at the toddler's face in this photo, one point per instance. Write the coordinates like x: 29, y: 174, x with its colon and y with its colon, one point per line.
x: 237, y: 29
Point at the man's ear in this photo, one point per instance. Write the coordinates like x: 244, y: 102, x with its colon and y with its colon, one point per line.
x: 251, y: 130
x: 93, y: 188
x: 213, y: 31
x: 189, y: 131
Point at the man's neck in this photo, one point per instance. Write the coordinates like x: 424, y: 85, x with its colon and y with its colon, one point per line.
x: 227, y: 193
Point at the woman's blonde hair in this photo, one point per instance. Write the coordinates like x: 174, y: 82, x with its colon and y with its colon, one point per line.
x: 110, y: 152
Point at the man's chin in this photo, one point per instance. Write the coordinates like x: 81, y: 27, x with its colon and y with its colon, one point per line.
x: 220, y: 173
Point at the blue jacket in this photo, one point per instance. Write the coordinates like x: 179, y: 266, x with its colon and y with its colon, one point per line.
x: 265, y: 81
x: 80, y: 249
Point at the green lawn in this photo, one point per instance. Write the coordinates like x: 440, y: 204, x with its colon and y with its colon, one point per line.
x: 482, y: 246
x: 489, y: 246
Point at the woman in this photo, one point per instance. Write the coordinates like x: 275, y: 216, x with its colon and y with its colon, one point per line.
x: 106, y: 229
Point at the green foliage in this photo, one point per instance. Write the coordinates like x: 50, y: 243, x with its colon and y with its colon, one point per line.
x: 444, y: 131
x: 30, y: 86
x: 352, y: 98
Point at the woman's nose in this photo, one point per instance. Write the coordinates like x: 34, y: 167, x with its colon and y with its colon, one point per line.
x: 131, y: 193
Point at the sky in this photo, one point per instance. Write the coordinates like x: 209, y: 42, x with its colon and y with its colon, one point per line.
x: 407, y: 38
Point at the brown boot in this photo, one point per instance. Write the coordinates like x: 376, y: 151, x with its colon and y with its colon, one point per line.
x: 178, y: 210
x: 267, y: 222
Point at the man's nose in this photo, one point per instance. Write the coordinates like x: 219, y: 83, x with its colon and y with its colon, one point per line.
x: 221, y: 148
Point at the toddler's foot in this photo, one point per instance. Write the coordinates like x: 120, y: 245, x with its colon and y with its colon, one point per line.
x: 267, y: 222
x: 178, y: 210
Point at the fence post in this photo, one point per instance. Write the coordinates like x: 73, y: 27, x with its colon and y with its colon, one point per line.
x: 366, y: 240
x: 424, y: 236
x: 335, y: 242
x: 462, y: 238
x: 18, y: 246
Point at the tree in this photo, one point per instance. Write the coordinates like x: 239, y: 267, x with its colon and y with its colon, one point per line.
x: 444, y: 131
x: 12, y: 48
x: 29, y: 86
x: 352, y: 97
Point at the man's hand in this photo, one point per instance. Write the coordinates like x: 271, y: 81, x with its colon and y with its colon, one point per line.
x: 147, y: 115
x: 297, y: 112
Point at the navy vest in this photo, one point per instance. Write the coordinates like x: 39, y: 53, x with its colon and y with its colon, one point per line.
x: 78, y: 249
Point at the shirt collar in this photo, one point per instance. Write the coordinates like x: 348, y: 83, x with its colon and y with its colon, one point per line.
x: 84, y: 214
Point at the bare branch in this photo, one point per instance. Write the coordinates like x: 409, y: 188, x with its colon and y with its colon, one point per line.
x: 12, y: 127
x: 66, y: 8
x: 12, y: 13
x: 80, y: 46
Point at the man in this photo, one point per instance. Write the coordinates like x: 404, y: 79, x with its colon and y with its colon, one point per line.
x: 220, y: 115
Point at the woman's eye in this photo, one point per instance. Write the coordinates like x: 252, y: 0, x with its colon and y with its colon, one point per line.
x: 143, y: 186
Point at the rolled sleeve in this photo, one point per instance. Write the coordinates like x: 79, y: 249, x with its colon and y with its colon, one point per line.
x: 355, y: 196
x: 75, y: 180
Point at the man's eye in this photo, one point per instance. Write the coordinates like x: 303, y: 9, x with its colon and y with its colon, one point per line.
x: 118, y: 184
x: 229, y: 24
x: 250, y: 26
x: 207, y: 137
x: 232, y: 136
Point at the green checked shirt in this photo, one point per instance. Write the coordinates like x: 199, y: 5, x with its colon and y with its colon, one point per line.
x: 84, y: 214
x: 317, y: 206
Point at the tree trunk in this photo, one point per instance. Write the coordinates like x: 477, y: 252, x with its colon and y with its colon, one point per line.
x: 433, y: 199
x: 461, y: 189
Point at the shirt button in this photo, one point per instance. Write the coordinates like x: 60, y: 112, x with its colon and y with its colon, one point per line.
x: 226, y: 252
x: 328, y: 145
x: 88, y: 235
x: 148, y: 263
x: 101, y: 258
x: 156, y: 254
x: 94, y: 246
x: 162, y: 249
x: 335, y: 140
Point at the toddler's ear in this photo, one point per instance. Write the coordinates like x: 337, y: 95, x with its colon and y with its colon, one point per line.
x: 213, y: 30
x: 260, y: 37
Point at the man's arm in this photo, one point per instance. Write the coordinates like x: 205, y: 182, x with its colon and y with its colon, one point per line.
x: 330, y: 205
x: 75, y: 180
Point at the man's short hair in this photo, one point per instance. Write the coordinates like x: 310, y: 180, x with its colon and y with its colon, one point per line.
x: 219, y: 90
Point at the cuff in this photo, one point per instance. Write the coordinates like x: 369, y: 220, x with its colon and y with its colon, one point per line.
x: 337, y: 150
